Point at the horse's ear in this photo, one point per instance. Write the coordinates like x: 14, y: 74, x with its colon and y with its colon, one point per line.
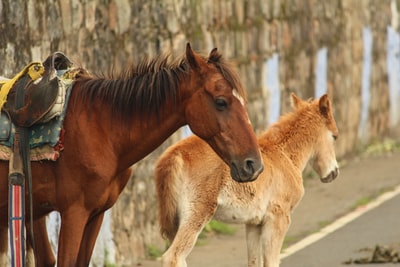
x: 296, y: 102
x: 324, y: 105
x: 193, y: 59
x: 214, y: 55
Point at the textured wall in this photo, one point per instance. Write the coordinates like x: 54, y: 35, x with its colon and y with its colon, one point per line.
x: 101, y: 34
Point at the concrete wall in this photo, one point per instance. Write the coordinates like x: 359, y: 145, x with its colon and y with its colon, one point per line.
x: 348, y: 48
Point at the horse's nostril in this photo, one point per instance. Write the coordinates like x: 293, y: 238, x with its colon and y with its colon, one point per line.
x: 250, y: 166
x: 254, y: 168
x: 247, y: 170
x: 336, y: 172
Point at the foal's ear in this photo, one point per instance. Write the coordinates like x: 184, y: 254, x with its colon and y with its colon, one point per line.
x: 324, y: 105
x: 194, y: 60
x: 296, y: 101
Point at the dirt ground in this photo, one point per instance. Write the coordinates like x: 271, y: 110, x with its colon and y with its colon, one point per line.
x: 361, y: 180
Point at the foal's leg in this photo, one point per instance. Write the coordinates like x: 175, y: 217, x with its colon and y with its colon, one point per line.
x: 254, y: 250
x: 89, y: 239
x: 185, y: 238
x: 272, y: 234
x: 3, y: 246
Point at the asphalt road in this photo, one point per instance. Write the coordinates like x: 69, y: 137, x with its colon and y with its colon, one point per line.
x: 379, y: 226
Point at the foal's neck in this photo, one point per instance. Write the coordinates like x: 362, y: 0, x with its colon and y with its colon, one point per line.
x: 296, y: 137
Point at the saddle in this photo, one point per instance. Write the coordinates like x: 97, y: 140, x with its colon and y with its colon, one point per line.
x: 39, y: 86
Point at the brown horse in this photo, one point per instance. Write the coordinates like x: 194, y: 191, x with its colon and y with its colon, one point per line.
x: 193, y: 184
x: 111, y: 123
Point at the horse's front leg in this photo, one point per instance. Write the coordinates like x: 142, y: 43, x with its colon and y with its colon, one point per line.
x: 73, y: 223
x: 89, y: 239
x: 273, y: 233
x: 3, y: 246
x: 254, y: 252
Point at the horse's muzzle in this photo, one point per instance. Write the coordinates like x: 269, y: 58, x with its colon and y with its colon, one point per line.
x: 247, y: 171
x: 331, y: 176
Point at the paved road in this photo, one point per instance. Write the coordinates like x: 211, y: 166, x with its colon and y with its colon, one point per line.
x: 380, y: 225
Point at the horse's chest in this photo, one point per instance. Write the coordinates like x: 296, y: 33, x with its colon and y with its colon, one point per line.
x: 243, y: 208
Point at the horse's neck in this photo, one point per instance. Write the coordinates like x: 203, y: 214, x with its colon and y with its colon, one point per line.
x: 147, y: 136
x: 296, y: 142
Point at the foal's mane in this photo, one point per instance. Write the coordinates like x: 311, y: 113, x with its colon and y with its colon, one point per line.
x: 146, y: 87
x: 288, y: 125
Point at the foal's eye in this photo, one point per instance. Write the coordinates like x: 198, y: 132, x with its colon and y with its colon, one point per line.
x: 221, y: 104
x: 334, y: 136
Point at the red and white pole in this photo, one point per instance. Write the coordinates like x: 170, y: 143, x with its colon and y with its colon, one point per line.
x: 16, y: 207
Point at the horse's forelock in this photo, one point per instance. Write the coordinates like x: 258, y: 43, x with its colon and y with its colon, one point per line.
x: 228, y: 72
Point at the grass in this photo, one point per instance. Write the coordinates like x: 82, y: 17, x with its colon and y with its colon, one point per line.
x: 367, y: 199
x: 220, y: 228
x: 214, y: 227
x: 153, y: 252
x: 383, y: 147
x: 107, y: 263
x: 290, y: 240
x: 362, y: 202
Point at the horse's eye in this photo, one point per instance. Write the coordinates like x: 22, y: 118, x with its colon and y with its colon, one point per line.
x: 334, y: 136
x: 221, y: 104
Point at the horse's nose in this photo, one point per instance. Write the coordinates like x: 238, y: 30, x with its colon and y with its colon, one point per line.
x: 253, y: 168
x: 247, y: 171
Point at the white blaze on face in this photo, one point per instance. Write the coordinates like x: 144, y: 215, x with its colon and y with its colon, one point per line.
x: 330, y: 161
x: 241, y: 100
x: 236, y: 94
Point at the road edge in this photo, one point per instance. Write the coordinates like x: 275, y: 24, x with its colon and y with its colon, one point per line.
x: 342, y: 221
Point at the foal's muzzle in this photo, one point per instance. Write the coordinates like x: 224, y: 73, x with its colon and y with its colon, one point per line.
x: 331, y: 176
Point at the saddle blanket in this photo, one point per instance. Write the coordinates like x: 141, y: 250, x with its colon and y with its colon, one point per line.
x: 45, y: 139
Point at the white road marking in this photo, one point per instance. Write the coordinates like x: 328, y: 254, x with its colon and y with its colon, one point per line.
x: 339, y: 223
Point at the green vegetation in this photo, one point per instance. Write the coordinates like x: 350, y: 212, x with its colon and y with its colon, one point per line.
x: 214, y: 227
x: 106, y: 263
x: 153, y: 252
x: 379, y: 148
x: 219, y: 228
x: 362, y: 202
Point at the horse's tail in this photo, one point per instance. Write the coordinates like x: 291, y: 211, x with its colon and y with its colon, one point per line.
x: 168, y: 173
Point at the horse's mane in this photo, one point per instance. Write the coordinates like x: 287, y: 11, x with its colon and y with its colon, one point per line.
x: 144, y: 88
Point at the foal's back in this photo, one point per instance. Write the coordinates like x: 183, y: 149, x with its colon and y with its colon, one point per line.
x: 187, y: 171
